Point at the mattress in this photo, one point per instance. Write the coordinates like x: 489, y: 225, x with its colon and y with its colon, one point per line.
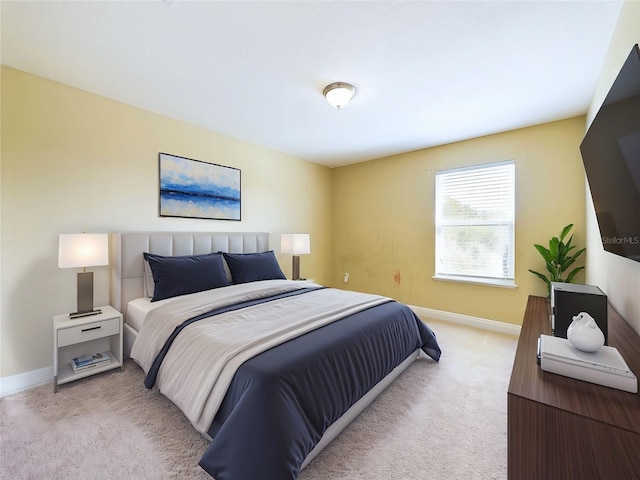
x: 137, y: 311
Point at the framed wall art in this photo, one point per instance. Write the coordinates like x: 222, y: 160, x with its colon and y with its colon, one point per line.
x: 196, y: 189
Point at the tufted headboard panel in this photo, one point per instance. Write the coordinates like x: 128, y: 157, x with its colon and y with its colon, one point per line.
x: 127, y: 264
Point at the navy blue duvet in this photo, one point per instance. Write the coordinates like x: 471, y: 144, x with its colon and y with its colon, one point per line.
x: 281, y: 401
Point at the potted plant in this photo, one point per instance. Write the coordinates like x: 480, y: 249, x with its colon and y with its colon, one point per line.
x: 558, y: 259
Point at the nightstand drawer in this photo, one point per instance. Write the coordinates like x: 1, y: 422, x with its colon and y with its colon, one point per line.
x: 89, y: 331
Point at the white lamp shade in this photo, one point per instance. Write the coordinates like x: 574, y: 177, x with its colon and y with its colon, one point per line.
x: 295, y: 243
x: 339, y: 94
x: 77, y: 250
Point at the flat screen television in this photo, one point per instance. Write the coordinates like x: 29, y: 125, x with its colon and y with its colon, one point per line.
x: 611, y: 156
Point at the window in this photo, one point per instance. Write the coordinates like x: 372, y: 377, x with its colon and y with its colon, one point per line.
x: 475, y: 223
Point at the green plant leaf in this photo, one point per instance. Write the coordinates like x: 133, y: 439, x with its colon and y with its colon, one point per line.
x: 543, y: 251
x: 541, y: 276
x: 579, y: 252
x: 553, y: 247
x: 570, y: 240
x: 568, y: 263
x: 551, y: 268
x: 568, y: 246
x: 573, y: 274
x: 565, y: 230
x: 562, y: 252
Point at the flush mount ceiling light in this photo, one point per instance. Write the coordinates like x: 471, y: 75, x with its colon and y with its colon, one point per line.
x: 339, y: 94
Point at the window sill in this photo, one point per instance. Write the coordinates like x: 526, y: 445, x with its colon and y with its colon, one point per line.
x: 488, y: 282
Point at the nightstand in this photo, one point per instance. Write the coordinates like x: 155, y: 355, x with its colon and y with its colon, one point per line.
x: 85, y: 336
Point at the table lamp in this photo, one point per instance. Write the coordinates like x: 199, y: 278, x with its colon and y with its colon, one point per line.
x: 295, y: 244
x: 83, y: 250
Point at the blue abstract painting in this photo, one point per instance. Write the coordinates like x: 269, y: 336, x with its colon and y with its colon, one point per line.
x: 196, y: 189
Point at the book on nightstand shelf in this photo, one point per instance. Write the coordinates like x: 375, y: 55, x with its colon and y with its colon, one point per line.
x: 84, y: 362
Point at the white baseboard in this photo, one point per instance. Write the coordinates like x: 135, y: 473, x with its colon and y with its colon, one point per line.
x: 23, y: 381
x: 493, y: 325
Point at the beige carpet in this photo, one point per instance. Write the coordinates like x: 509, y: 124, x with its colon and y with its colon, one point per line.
x: 442, y: 420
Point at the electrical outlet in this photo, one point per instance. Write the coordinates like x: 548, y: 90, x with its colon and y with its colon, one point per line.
x: 346, y: 278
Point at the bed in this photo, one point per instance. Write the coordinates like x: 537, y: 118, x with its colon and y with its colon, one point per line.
x: 270, y: 370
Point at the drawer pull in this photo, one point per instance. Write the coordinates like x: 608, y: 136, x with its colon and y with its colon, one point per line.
x: 89, y: 329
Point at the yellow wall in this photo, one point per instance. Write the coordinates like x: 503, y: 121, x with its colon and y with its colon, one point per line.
x: 72, y: 162
x: 618, y: 277
x: 383, y: 218
x: 75, y: 162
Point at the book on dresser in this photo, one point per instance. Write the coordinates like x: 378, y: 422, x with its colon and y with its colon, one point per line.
x: 84, y: 362
x: 603, y: 367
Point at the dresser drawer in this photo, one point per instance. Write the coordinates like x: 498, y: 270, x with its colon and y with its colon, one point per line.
x: 89, y: 331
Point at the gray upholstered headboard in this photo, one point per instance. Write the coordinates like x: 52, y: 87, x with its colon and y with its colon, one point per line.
x: 127, y: 265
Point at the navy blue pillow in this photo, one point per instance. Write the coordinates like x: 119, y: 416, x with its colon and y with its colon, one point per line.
x: 181, y: 275
x: 251, y: 267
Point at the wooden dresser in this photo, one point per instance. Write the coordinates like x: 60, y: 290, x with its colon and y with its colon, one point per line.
x: 562, y: 428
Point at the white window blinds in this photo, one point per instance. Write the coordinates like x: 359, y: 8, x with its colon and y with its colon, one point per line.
x: 475, y: 209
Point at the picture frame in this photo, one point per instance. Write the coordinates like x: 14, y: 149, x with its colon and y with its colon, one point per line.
x: 196, y: 189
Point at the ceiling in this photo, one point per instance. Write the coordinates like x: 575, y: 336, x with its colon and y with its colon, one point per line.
x: 427, y: 73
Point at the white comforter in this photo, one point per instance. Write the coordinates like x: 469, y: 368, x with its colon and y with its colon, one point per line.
x: 203, y: 359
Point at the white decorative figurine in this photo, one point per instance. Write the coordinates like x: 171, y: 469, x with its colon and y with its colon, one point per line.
x: 584, y: 333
